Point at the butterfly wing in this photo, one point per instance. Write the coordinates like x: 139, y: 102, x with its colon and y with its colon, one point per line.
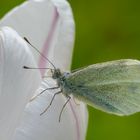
x: 113, y: 87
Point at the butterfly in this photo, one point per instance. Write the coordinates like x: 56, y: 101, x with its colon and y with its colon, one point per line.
x: 113, y: 86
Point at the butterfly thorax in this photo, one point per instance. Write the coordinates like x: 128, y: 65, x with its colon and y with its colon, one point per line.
x: 60, y: 77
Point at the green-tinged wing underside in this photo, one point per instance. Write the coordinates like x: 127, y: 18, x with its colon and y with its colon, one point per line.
x: 113, y: 87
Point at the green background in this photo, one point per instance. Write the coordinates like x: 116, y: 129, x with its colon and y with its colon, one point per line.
x: 105, y: 30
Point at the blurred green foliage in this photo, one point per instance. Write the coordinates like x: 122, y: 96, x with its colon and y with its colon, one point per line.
x: 6, y: 5
x: 105, y: 30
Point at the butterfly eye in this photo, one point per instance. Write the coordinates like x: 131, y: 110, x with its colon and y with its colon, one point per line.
x: 66, y: 74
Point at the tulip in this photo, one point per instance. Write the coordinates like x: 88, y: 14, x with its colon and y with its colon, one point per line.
x: 49, y: 26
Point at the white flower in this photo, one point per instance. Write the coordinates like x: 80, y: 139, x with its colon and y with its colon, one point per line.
x: 49, y: 25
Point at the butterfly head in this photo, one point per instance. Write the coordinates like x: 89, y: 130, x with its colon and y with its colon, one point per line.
x: 56, y: 74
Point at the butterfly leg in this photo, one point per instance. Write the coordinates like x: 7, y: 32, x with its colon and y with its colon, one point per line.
x: 45, y: 76
x: 64, y: 107
x: 34, y: 97
x: 51, y: 102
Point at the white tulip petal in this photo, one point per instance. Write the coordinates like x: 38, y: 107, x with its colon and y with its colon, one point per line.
x: 47, y: 126
x: 16, y: 88
x: 47, y: 24
x: 32, y: 19
x: 53, y: 34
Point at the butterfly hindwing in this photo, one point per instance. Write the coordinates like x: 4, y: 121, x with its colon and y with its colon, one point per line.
x: 113, y: 87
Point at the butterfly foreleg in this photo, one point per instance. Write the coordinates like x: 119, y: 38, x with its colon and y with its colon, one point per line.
x: 51, y: 101
x: 34, y: 97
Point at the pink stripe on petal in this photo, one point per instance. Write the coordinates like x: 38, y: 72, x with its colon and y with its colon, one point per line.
x: 76, y: 119
x: 42, y: 61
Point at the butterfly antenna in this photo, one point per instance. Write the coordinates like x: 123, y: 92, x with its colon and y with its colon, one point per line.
x: 26, y: 67
x: 39, y: 52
